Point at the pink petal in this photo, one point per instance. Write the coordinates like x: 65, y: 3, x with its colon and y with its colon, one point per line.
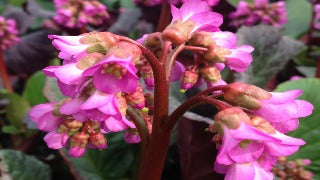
x: 56, y: 140
x: 39, y: 110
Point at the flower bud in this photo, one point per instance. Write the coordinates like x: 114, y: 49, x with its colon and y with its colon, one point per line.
x: 147, y: 74
x: 211, y: 74
x: 153, y: 40
x: 89, y: 60
x: 122, y: 104
x: 178, y: 32
x: 245, y: 95
x: 201, y: 38
x: 125, y: 50
x: 136, y: 99
x: 149, y: 100
x: 189, y: 78
x: 232, y: 117
x: 262, y: 124
x: 70, y: 126
x: 98, y: 140
x: 79, y: 139
x: 216, y: 54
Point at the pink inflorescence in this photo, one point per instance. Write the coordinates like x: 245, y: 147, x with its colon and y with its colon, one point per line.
x: 100, y: 76
x: 317, y: 16
x: 251, y: 142
x: 8, y: 33
x: 261, y: 11
x: 78, y: 13
x: 157, y: 2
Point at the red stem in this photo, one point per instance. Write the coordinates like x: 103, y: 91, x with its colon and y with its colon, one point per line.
x: 318, y: 68
x: 195, y: 48
x: 165, y: 16
x: 192, y: 102
x: 165, y: 49
x: 311, y: 29
x: 4, y: 74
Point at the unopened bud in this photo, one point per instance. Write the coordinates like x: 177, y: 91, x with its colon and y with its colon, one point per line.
x: 189, y: 78
x: 262, y: 124
x: 122, y: 104
x: 245, y: 95
x: 153, y: 40
x: 136, y: 99
x: 211, y: 74
x: 216, y: 54
x: 178, y: 32
x: 79, y: 140
x: 98, y: 140
x: 126, y: 50
x: 149, y: 100
x: 203, y: 39
x: 282, y: 160
x: 232, y: 117
x: 89, y: 60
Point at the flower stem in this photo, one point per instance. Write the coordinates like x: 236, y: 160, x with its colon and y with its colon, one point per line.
x: 195, y: 48
x: 192, y: 102
x: 165, y: 16
x: 4, y: 74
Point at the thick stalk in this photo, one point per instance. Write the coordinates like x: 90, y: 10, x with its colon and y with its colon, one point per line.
x: 165, y: 16
x: 318, y: 68
x: 4, y: 74
x: 152, y: 166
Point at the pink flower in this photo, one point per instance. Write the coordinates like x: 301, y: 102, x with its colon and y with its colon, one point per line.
x: 107, y: 109
x: 131, y: 137
x: 244, y: 143
x: 8, y: 33
x: 114, y: 74
x: 261, y: 11
x: 56, y: 140
x: 249, y: 171
x: 76, y: 151
x: 238, y: 58
x: 193, y: 16
x: 43, y: 115
x: 317, y: 16
x: 282, y: 110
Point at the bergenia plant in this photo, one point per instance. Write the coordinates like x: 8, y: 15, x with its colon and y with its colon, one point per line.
x: 78, y: 13
x: 115, y: 84
x: 259, y: 12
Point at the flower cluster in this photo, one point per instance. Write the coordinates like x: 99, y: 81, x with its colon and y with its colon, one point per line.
x: 78, y: 13
x: 157, y: 2
x: 261, y: 11
x: 99, y: 76
x: 251, y: 136
x: 294, y: 169
x: 317, y: 16
x: 8, y: 33
x: 196, y: 26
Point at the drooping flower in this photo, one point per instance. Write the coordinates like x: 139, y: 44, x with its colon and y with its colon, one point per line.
x: 282, y: 110
x: 193, y: 16
x: 8, y: 33
x: 132, y: 137
x: 246, y: 140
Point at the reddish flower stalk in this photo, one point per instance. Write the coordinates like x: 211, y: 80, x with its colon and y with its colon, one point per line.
x: 4, y: 74
x: 165, y: 16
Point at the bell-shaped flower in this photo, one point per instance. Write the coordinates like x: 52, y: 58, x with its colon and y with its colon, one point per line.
x: 114, y: 74
x: 46, y: 116
x: 194, y: 15
x: 56, y: 140
x: 237, y: 58
x: 283, y: 109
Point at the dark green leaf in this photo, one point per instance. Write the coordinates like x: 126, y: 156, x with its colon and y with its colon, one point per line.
x: 52, y: 91
x: 117, y: 161
x: 16, y: 165
x: 17, y: 108
x: 309, y: 127
x: 34, y: 89
x: 271, y: 54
